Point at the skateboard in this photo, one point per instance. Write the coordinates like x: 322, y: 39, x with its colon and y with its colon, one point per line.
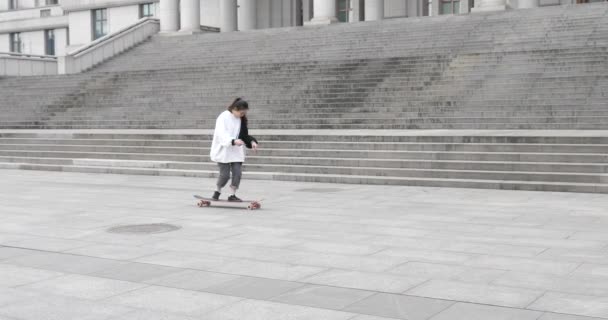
x: 206, y: 202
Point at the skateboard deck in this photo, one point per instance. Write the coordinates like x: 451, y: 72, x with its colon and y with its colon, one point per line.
x: 208, y: 202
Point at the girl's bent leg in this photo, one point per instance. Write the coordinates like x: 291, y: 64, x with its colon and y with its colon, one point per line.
x: 222, y: 180
x: 237, y: 172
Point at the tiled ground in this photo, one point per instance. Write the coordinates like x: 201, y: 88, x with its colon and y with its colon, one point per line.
x: 345, y: 252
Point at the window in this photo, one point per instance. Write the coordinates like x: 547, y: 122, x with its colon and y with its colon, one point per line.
x: 49, y: 42
x: 100, y: 23
x: 45, y: 13
x: 343, y: 10
x: 15, y: 39
x: 450, y: 6
x: 146, y: 10
x: 42, y: 3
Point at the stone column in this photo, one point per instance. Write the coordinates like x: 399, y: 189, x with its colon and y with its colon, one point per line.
x: 324, y: 12
x: 169, y: 15
x: 228, y: 16
x: 374, y: 10
x: 490, y: 5
x: 190, y: 14
x: 353, y: 15
x: 248, y: 15
x: 435, y: 7
x: 465, y: 6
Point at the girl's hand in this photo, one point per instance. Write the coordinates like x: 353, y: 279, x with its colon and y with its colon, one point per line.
x: 238, y: 142
x: 254, y: 146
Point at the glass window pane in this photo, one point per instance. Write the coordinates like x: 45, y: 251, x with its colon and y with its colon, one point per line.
x: 456, y: 7
x: 446, y: 7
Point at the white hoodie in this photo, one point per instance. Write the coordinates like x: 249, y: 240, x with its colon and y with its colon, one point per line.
x: 227, y: 128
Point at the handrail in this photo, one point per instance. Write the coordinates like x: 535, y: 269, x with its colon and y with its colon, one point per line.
x: 27, y: 55
x: 110, y: 36
x: 102, y: 49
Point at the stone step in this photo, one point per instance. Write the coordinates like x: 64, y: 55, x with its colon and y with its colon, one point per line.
x: 343, y: 150
x: 302, y: 117
x: 334, y: 178
x: 465, y: 126
x: 321, y: 111
x: 322, y: 145
x: 362, y: 123
x: 576, y: 177
x: 322, y: 157
x: 533, y: 167
x: 356, y: 136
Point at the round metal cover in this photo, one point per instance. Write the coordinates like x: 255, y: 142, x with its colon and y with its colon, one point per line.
x: 151, y: 228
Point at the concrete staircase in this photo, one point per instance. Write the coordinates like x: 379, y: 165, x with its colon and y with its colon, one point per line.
x: 417, y: 101
x: 526, y: 69
x: 519, y: 160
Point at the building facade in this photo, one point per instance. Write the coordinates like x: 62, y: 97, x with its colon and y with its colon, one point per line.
x: 54, y: 27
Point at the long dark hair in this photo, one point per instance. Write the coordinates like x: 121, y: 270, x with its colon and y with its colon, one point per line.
x: 239, y: 104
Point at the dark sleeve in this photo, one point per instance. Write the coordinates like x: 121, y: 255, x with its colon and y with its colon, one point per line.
x: 244, y: 135
x: 248, y: 141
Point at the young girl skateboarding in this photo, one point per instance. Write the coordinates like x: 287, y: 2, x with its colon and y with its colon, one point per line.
x: 230, y: 138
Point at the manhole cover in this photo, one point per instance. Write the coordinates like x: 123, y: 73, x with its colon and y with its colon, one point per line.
x: 144, y: 228
x: 320, y: 190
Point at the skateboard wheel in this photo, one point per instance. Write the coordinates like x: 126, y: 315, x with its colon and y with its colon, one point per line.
x: 254, y: 206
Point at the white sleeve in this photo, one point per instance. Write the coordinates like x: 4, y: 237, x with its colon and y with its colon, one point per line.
x: 221, y: 131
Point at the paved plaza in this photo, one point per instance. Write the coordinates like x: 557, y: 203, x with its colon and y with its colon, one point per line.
x: 315, y: 251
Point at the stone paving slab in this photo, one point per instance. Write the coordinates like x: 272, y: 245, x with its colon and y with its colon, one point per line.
x: 262, y: 310
x: 254, y: 288
x: 478, y: 293
x: 557, y: 316
x: 354, y: 253
x: 592, y: 306
x: 56, y: 307
x: 135, y: 272
x: 467, y: 311
x: 193, y: 280
x: 15, y: 275
x: 172, y: 300
x: 399, y: 306
x: 323, y: 296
